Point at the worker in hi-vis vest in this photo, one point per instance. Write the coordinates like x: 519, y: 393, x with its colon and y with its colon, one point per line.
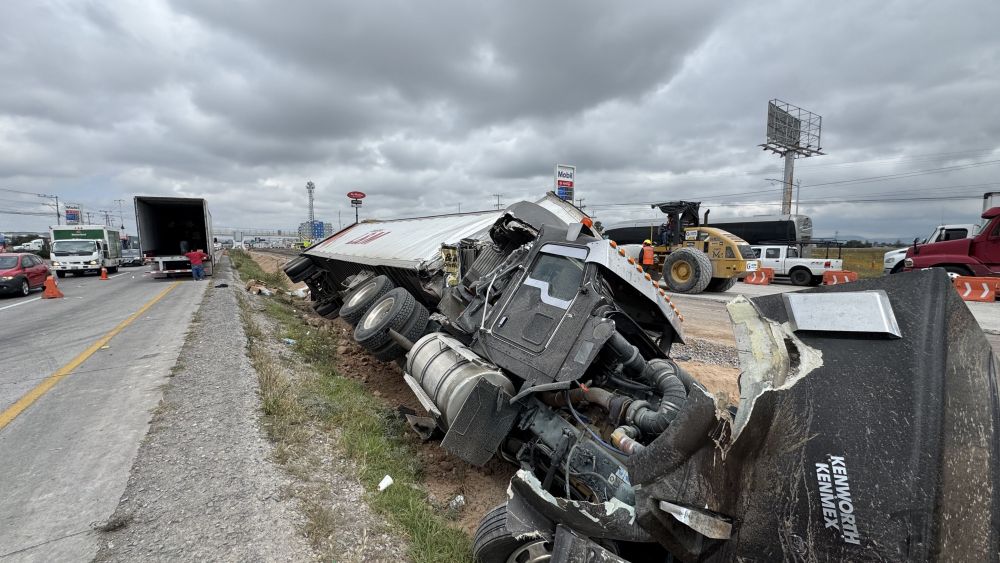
x: 647, y: 254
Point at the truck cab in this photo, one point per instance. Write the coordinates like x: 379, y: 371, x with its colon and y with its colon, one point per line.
x: 976, y: 256
x: 85, y: 248
x: 786, y: 261
x: 893, y: 260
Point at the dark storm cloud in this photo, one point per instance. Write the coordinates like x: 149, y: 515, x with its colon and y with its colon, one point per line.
x: 426, y: 106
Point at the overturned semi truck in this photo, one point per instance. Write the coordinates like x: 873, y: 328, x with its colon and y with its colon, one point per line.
x: 866, y: 427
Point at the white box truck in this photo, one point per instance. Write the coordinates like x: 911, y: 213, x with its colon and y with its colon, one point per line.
x: 80, y: 249
x: 170, y: 227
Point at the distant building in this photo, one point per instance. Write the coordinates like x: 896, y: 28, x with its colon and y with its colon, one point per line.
x: 315, y: 231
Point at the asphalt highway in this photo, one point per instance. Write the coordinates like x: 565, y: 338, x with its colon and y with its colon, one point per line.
x: 79, y: 379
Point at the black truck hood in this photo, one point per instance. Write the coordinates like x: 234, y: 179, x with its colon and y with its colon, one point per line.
x: 881, y: 448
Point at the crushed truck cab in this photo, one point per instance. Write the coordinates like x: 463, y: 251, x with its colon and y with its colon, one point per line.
x: 526, y: 337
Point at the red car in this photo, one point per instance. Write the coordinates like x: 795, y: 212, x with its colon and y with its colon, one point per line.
x: 20, y: 273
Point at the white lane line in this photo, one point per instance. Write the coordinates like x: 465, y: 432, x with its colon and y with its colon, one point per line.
x: 19, y: 303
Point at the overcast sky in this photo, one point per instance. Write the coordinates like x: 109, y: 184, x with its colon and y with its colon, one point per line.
x: 426, y: 106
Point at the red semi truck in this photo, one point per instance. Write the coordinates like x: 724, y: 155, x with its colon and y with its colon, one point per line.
x: 976, y: 256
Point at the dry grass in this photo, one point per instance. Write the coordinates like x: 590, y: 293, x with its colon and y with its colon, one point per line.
x: 368, y: 433
x: 867, y: 262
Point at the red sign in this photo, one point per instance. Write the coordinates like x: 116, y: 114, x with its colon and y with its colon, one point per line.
x: 356, y: 195
x: 564, y: 183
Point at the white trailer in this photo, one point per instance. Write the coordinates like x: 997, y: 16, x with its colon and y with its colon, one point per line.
x: 169, y: 228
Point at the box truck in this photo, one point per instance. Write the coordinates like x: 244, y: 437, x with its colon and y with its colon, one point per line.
x: 80, y: 249
x: 170, y: 227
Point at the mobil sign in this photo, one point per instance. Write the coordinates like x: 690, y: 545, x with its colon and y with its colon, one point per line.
x: 565, y: 181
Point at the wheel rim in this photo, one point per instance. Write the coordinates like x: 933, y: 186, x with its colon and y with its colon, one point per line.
x: 378, y: 312
x: 534, y: 552
x: 25, y: 289
x: 681, y: 271
x: 361, y: 294
x: 953, y: 275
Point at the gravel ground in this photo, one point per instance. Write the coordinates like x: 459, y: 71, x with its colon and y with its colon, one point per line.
x: 705, y: 351
x: 202, y: 486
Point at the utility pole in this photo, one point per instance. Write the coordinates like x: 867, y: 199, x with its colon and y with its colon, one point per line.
x: 90, y: 218
x: 798, y: 191
x: 107, y: 217
x: 579, y: 203
x: 56, y: 198
x: 498, y: 200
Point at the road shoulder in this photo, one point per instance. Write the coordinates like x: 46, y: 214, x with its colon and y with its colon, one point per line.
x: 202, y: 485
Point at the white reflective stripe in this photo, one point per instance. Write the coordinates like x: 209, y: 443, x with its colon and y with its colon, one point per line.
x: 543, y: 287
x: 568, y: 251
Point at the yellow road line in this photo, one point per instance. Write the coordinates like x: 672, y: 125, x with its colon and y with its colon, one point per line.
x: 49, y: 382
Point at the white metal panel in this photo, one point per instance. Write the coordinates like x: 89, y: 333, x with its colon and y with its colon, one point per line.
x: 416, y: 243
x: 406, y: 243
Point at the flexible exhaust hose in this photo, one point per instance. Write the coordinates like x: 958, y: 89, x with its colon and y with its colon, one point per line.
x: 663, y: 375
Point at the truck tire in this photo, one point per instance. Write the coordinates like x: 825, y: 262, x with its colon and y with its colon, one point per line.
x: 800, y: 276
x: 298, y: 269
x: 494, y: 543
x: 113, y: 270
x: 362, y: 297
x: 329, y: 308
x: 61, y: 274
x: 956, y: 271
x: 397, y: 310
x: 687, y: 270
x: 720, y: 285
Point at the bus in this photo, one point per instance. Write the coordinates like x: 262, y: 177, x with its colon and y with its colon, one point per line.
x: 754, y: 230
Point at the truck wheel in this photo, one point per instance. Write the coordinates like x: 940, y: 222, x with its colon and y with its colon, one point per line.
x: 113, y: 270
x: 298, y: 269
x: 897, y: 268
x: 956, y: 271
x: 719, y: 285
x: 800, y: 276
x: 329, y: 309
x: 687, y: 270
x: 495, y: 544
x: 61, y: 274
x: 362, y: 297
x: 397, y: 310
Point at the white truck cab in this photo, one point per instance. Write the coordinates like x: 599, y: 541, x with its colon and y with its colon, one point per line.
x: 84, y: 248
x: 787, y: 263
x: 893, y: 260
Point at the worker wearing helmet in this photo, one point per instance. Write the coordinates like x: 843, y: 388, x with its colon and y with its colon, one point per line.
x: 647, y: 254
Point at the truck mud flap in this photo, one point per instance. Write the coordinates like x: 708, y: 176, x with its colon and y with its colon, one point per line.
x: 848, y: 445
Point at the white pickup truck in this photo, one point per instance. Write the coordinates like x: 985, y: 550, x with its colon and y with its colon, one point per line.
x: 893, y: 260
x: 785, y: 262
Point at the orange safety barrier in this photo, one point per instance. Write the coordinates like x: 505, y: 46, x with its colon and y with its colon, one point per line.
x: 51, y: 289
x: 834, y: 277
x: 104, y: 273
x: 760, y: 277
x: 972, y: 288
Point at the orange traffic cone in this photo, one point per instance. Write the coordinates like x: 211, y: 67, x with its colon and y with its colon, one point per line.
x: 104, y: 273
x: 51, y: 289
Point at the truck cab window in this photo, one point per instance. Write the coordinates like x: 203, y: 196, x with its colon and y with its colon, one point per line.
x: 772, y: 253
x: 557, y: 274
x: 793, y: 253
